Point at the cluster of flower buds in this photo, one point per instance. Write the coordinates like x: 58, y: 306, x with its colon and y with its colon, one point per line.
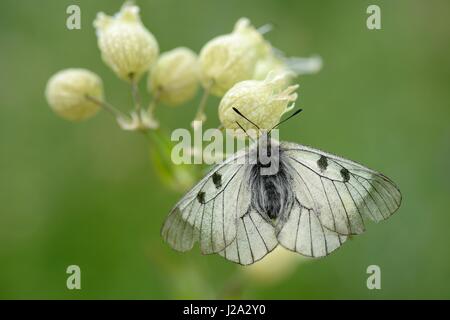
x: 241, y: 67
x: 249, y: 74
x: 130, y: 50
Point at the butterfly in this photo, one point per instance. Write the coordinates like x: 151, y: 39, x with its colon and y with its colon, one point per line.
x: 311, y: 205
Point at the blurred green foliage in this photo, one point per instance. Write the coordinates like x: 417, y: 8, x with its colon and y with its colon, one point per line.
x: 87, y: 194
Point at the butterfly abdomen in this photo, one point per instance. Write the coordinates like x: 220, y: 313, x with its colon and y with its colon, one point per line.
x: 271, y: 204
x: 271, y: 194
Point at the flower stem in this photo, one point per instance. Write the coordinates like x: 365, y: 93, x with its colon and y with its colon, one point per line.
x: 152, y: 105
x: 136, y: 96
x: 108, y: 107
x: 200, y: 116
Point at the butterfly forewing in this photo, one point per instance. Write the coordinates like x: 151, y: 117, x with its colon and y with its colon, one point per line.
x: 208, y: 212
x: 342, y: 191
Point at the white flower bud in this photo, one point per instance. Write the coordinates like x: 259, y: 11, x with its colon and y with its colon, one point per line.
x: 261, y: 101
x: 67, y: 90
x: 127, y: 47
x: 229, y: 59
x: 174, y: 77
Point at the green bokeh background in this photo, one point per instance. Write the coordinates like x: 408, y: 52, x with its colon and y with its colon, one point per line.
x: 86, y: 194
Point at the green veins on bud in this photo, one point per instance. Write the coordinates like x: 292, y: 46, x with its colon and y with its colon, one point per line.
x: 67, y: 93
x: 127, y: 47
x: 231, y: 58
x: 261, y: 101
x: 174, y: 77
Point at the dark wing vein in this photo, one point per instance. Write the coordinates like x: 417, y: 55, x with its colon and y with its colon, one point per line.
x: 349, y: 225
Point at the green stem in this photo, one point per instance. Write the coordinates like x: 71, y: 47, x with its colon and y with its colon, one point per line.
x: 136, y: 96
x: 153, y: 104
x: 201, y: 108
x: 108, y: 107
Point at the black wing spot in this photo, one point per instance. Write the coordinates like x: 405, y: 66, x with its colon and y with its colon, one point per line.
x: 217, y: 179
x: 322, y: 163
x: 201, y: 197
x: 345, y: 174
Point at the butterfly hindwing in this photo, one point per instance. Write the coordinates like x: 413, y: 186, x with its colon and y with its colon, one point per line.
x: 303, y: 233
x: 254, y: 239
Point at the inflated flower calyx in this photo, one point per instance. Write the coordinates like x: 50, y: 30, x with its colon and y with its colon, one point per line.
x: 68, y: 92
x: 261, y: 101
x: 174, y: 77
x: 231, y: 58
x: 127, y: 47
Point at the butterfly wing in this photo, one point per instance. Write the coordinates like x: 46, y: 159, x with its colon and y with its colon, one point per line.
x: 304, y: 233
x: 208, y: 212
x: 341, y: 192
x: 332, y: 195
x: 255, y: 238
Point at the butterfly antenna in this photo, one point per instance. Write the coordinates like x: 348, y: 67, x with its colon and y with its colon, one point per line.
x: 242, y: 128
x: 283, y: 121
x: 239, y: 113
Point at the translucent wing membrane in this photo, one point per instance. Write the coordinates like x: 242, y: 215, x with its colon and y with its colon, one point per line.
x: 208, y: 212
x: 254, y: 239
x: 332, y: 197
x: 303, y: 233
x: 340, y: 191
